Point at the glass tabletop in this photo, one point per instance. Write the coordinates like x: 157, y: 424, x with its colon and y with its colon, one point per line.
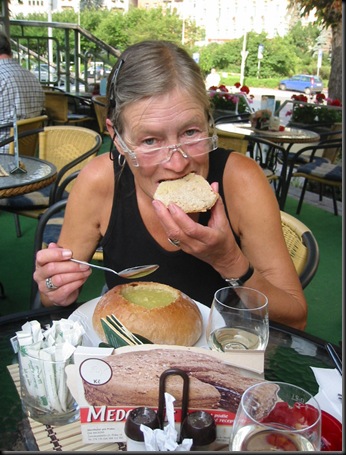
x: 39, y: 173
x: 289, y: 356
x: 288, y: 135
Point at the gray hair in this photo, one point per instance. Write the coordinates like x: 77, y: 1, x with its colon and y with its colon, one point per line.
x: 152, y: 68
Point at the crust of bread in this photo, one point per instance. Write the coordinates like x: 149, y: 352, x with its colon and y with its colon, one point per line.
x: 178, y: 323
x: 191, y: 193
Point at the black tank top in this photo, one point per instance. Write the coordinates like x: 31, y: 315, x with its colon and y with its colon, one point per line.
x: 127, y: 242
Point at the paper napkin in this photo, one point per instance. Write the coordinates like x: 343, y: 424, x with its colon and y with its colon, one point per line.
x: 330, y: 385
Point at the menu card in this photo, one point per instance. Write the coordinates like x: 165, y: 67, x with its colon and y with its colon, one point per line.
x: 108, y: 384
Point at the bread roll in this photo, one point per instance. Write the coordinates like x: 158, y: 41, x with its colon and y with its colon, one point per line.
x: 191, y: 193
x: 160, y: 313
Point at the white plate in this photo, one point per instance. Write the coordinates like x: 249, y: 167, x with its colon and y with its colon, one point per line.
x: 84, y: 313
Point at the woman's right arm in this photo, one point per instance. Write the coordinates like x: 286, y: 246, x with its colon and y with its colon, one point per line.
x: 85, y: 220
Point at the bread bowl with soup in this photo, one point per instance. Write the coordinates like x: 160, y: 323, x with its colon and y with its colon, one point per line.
x: 156, y: 311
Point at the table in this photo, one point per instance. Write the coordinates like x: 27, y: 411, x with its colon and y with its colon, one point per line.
x: 39, y: 174
x: 288, y: 358
x: 290, y: 136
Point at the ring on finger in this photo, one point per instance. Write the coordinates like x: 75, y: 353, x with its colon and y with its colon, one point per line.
x: 174, y: 242
x: 49, y: 284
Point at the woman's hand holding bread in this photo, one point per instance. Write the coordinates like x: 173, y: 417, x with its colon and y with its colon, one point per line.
x: 214, y: 244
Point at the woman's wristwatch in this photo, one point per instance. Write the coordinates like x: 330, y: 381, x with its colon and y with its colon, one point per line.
x: 242, y: 279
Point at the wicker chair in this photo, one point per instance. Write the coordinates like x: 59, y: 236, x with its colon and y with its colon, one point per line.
x: 27, y: 130
x: 302, y: 246
x: 323, y: 169
x: 232, y: 141
x: 69, y: 148
x: 57, y: 109
x: 100, y: 107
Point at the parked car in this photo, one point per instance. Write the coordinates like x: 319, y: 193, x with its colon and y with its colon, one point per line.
x: 302, y: 83
x: 98, y: 70
x: 45, y: 73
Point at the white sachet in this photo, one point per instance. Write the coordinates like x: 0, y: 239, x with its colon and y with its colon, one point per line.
x: 43, y: 379
x: 63, y: 351
x: 166, y: 439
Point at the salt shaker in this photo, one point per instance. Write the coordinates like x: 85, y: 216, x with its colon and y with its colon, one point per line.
x: 134, y: 435
x: 199, y: 426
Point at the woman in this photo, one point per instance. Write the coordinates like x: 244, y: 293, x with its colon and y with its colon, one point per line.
x: 157, y: 98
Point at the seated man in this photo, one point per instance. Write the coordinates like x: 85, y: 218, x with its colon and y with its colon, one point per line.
x: 20, y: 91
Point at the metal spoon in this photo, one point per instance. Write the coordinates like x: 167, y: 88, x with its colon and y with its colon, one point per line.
x: 133, y: 272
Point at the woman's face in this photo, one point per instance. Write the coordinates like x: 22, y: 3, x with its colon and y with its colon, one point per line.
x: 160, y: 121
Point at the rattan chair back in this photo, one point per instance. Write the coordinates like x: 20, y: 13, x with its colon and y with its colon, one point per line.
x: 62, y: 144
x: 69, y: 148
x: 57, y: 109
x: 302, y: 246
x: 100, y: 107
x: 27, y: 145
x: 232, y: 141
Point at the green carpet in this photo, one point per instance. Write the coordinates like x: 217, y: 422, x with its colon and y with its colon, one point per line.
x: 324, y: 293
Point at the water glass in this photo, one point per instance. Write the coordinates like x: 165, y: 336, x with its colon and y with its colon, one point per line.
x: 276, y: 416
x: 45, y: 395
x: 238, y: 319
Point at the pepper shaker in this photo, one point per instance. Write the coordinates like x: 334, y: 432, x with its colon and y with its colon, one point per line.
x: 199, y: 426
x: 134, y: 435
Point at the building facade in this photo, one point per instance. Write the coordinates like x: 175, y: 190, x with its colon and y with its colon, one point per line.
x: 223, y: 20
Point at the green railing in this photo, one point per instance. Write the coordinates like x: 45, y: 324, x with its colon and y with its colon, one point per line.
x: 62, y: 63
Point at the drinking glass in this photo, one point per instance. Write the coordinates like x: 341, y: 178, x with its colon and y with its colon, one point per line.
x: 44, y: 392
x: 276, y: 416
x: 238, y: 319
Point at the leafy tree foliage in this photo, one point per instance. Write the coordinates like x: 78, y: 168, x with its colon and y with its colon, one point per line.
x: 304, y: 37
x: 282, y: 56
x: 329, y: 14
x: 90, y: 4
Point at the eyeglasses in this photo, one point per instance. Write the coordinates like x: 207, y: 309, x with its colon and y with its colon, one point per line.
x: 160, y: 155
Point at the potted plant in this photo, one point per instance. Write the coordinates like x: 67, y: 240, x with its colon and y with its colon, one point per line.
x: 226, y: 102
x: 322, y: 111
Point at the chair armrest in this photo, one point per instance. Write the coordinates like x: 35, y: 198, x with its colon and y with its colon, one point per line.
x: 20, y: 135
x: 59, y: 191
x: 312, y: 260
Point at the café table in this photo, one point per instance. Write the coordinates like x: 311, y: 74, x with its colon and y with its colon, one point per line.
x: 287, y: 138
x: 288, y: 357
x: 39, y: 174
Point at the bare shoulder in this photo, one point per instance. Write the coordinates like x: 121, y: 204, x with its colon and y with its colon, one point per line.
x: 96, y: 175
x: 241, y: 169
x: 248, y: 194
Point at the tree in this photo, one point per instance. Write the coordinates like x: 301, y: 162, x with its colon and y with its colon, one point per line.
x: 90, y: 4
x: 329, y: 14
